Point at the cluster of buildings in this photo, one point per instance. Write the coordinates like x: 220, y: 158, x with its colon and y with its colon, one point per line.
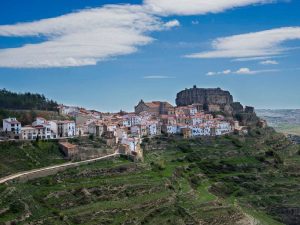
x: 40, y: 128
x: 125, y: 129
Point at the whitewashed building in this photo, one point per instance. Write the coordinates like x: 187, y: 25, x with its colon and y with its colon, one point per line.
x: 132, y: 143
x: 223, y: 128
x: 12, y: 125
x: 153, y: 128
x: 171, y: 129
x: 131, y: 120
x: 44, y: 128
x: 66, y: 128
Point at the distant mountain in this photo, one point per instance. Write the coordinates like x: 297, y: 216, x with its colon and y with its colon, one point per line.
x: 30, y: 101
x: 286, y: 121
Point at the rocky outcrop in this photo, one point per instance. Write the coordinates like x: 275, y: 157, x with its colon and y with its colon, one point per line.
x: 204, y: 96
x: 216, y: 99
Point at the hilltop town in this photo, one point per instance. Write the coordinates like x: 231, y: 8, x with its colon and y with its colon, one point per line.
x: 207, y: 160
x: 199, y: 112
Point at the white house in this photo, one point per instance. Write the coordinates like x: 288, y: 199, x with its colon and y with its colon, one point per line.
x: 12, y: 125
x: 207, y: 131
x: 135, y: 130
x: 66, y: 128
x: 153, y: 128
x: 192, y: 110
x: 223, y: 128
x: 53, y: 126
x: 29, y: 133
x: 197, y: 131
x: 131, y: 120
x: 132, y: 143
x: 44, y: 128
x: 171, y: 129
x: 197, y: 120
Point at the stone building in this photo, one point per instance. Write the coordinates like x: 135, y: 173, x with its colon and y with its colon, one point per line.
x: 154, y: 108
x: 68, y: 149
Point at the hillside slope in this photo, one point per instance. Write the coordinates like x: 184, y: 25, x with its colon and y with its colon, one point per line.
x: 21, y: 156
x: 223, y: 180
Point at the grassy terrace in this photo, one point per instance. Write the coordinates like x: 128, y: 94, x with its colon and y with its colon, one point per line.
x: 21, y: 156
x: 225, y: 180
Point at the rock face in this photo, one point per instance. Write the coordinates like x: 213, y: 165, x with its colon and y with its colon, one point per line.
x: 204, y: 96
x: 216, y: 99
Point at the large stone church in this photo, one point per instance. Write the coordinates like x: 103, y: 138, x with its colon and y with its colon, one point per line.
x: 154, y: 107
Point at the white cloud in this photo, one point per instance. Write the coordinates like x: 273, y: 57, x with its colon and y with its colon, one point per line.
x: 226, y: 71
x: 241, y: 71
x: 219, y: 73
x: 211, y: 73
x: 172, y: 23
x: 244, y: 71
x: 269, y: 62
x: 197, y: 7
x: 81, y: 38
x: 89, y: 36
x: 259, y: 44
x: 158, y: 77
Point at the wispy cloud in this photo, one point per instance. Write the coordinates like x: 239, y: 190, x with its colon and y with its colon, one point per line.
x: 269, y: 62
x: 241, y: 71
x: 197, y: 7
x: 159, y: 77
x: 172, y: 23
x: 89, y: 36
x: 82, y: 38
x: 259, y: 44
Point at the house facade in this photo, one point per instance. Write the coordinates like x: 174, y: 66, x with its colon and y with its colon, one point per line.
x: 66, y: 128
x: 12, y: 125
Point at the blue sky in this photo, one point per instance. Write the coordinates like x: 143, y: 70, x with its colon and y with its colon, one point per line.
x: 153, y: 51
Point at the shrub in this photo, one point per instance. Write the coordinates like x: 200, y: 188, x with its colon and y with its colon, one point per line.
x: 16, y: 207
x: 185, y: 148
x: 91, y: 137
x: 159, y: 165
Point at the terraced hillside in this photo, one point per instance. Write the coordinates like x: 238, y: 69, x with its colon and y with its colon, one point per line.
x: 225, y: 180
x: 21, y: 156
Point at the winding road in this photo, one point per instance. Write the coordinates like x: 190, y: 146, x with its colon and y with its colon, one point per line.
x: 49, y: 168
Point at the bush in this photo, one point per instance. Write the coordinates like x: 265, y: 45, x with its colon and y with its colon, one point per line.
x: 185, y: 148
x: 146, y: 140
x: 159, y: 165
x: 91, y: 137
x: 16, y: 207
x: 237, y: 142
x: 195, y: 180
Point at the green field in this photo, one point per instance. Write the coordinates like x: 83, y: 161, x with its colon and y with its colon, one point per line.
x: 223, y: 180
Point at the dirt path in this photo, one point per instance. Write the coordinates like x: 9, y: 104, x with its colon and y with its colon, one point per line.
x: 49, y: 168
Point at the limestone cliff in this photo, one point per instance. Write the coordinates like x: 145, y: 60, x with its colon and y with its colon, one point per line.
x: 204, y: 96
x: 217, y: 100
